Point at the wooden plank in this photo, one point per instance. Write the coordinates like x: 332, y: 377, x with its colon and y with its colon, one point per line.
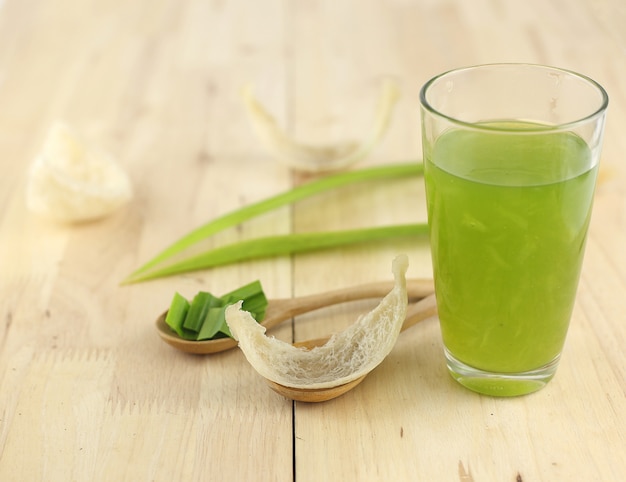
x: 88, y: 391
x: 409, y: 420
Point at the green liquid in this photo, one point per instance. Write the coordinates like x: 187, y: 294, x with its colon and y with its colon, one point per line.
x: 508, y: 217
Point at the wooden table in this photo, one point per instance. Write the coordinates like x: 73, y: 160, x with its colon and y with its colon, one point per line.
x: 88, y: 392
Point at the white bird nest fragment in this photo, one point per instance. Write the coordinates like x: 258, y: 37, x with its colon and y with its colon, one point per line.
x: 71, y: 182
x: 313, y: 158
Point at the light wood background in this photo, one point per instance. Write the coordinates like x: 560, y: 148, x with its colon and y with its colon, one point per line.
x: 88, y: 392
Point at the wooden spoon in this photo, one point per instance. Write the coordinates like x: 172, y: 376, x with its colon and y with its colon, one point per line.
x: 416, y: 312
x: 280, y: 310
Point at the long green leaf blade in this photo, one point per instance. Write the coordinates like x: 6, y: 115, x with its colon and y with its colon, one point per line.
x: 282, y: 245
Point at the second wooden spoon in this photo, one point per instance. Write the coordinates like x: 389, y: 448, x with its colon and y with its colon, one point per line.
x: 416, y: 312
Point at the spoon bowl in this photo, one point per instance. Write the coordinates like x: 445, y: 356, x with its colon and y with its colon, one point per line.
x: 205, y: 347
x: 279, y: 310
x: 314, y: 395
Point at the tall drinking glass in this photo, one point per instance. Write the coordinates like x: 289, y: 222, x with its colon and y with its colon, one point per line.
x: 511, y: 156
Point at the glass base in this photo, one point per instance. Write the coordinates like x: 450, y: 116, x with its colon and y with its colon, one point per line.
x: 500, y: 384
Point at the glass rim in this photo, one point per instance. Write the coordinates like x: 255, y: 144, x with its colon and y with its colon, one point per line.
x: 530, y: 129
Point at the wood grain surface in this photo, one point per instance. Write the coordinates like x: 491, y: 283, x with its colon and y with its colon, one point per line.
x: 88, y: 391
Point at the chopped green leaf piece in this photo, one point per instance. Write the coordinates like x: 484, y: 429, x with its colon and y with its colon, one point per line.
x: 246, y: 291
x: 256, y: 306
x: 224, y: 330
x: 198, y: 310
x: 212, y: 323
x: 253, y: 297
x: 179, y: 307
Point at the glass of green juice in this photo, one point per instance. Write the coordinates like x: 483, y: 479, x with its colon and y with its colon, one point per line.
x: 511, y: 156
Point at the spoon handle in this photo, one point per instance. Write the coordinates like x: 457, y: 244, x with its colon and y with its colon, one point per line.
x: 280, y: 310
x: 416, y: 312
x: 420, y: 311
